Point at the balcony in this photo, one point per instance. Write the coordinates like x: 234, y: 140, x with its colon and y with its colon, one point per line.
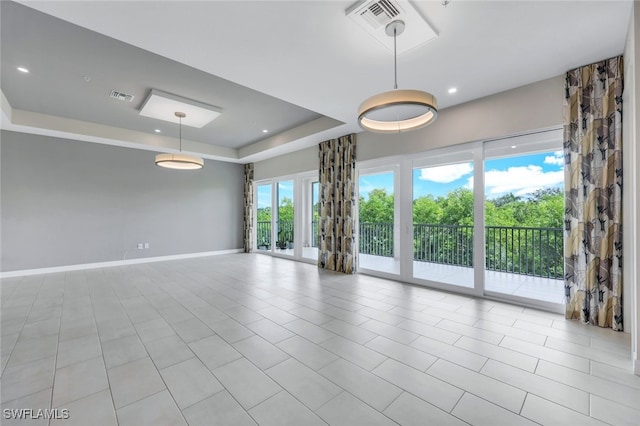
x: 519, y: 261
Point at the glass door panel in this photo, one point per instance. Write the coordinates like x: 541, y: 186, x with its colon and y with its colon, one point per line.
x: 524, y: 213
x: 378, y: 219
x: 312, y: 214
x: 443, y: 204
x: 285, y: 214
x: 263, y: 218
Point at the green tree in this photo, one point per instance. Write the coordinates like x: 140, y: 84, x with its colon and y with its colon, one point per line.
x: 457, y: 207
x: 264, y: 214
x: 427, y: 209
x: 378, y: 207
x: 545, y: 209
x: 285, y: 210
x: 506, y: 199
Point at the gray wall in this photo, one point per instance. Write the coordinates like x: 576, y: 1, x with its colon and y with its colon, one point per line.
x: 66, y: 202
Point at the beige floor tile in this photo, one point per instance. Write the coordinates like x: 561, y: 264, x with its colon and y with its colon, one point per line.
x: 233, y: 337
x: 168, y: 350
x: 478, y: 384
x: 353, y: 352
x: 433, y: 390
x: 403, y: 353
x: 214, y: 352
x: 133, y: 381
x: 546, y: 412
x: 310, y: 354
x: 36, y: 401
x: 409, y: 410
x: 260, y: 352
x: 158, y: 409
x: 477, y: 411
x: 190, y: 382
x: 246, y: 383
x: 79, y: 380
x: 95, y: 410
x: 122, y: 350
x: 309, y: 387
x: 347, y: 410
x: 219, y: 409
x: 78, y: 349
x: 366, y: 386
x: 284, y: 410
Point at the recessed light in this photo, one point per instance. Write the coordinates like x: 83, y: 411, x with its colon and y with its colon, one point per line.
x: 452, y: 90
x: 513, y: 146
x: 158, y: 131
x: 23, y: 69
x: 265, y: 131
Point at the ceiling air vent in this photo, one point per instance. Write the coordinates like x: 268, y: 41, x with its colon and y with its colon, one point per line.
x: 374, y: 15
x: 121, y: 96
x: 380, y: 13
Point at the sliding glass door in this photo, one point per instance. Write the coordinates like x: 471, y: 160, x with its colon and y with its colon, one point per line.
x: 263, y: 234
x: 524, y: 214
x: 287, y: 216
x: 483, y: 218
x: 310, y: 214
x: 275, y: 217
x: 443, y: 219
x: 378, y: 219
x: 284, y: 220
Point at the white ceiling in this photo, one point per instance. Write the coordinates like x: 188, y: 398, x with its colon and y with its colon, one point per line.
x: 307, y: 53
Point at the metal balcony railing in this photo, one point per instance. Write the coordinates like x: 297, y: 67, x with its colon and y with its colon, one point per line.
x: 446, y: 244
x: 519, y: 250
x: 263, y: 233
x: 528, y: 251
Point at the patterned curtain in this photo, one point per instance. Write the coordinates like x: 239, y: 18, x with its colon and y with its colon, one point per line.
x: 248, y: 208
x: 336, y: 239
x: 593, y: 197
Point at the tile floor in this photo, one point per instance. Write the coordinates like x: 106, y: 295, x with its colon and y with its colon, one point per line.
x: 252, y: 339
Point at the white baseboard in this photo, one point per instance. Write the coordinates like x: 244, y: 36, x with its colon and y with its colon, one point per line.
x: 83, y: 266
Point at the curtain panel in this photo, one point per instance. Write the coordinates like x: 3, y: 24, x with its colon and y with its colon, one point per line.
x: 248, y: 208
x: 593, y: 195
x: 336, y: 238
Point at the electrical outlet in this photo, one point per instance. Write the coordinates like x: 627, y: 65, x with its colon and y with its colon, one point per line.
x: 140, y: 246
x: 146, y: 245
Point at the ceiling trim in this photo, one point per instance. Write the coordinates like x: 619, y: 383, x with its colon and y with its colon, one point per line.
x: 311, y: 128
x: 60, y: 127
x: 304, y: 135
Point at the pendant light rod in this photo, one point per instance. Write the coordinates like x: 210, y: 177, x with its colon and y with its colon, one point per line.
x: 395, y: 58
x: 394, y: 29
x: 179, y: 161
x: 180, y: 116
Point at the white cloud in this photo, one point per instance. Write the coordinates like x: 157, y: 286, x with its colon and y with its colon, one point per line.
x: 446, y: 174
x: 365, y: 187
x: 520, y: 180
x: 556, y: 159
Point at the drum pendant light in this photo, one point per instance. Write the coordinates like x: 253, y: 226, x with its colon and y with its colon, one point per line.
x: 179, y: 161
x: 397, y: 110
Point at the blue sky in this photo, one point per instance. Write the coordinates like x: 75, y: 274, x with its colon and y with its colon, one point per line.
x: 285, y: 189
x: 520, y: 175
